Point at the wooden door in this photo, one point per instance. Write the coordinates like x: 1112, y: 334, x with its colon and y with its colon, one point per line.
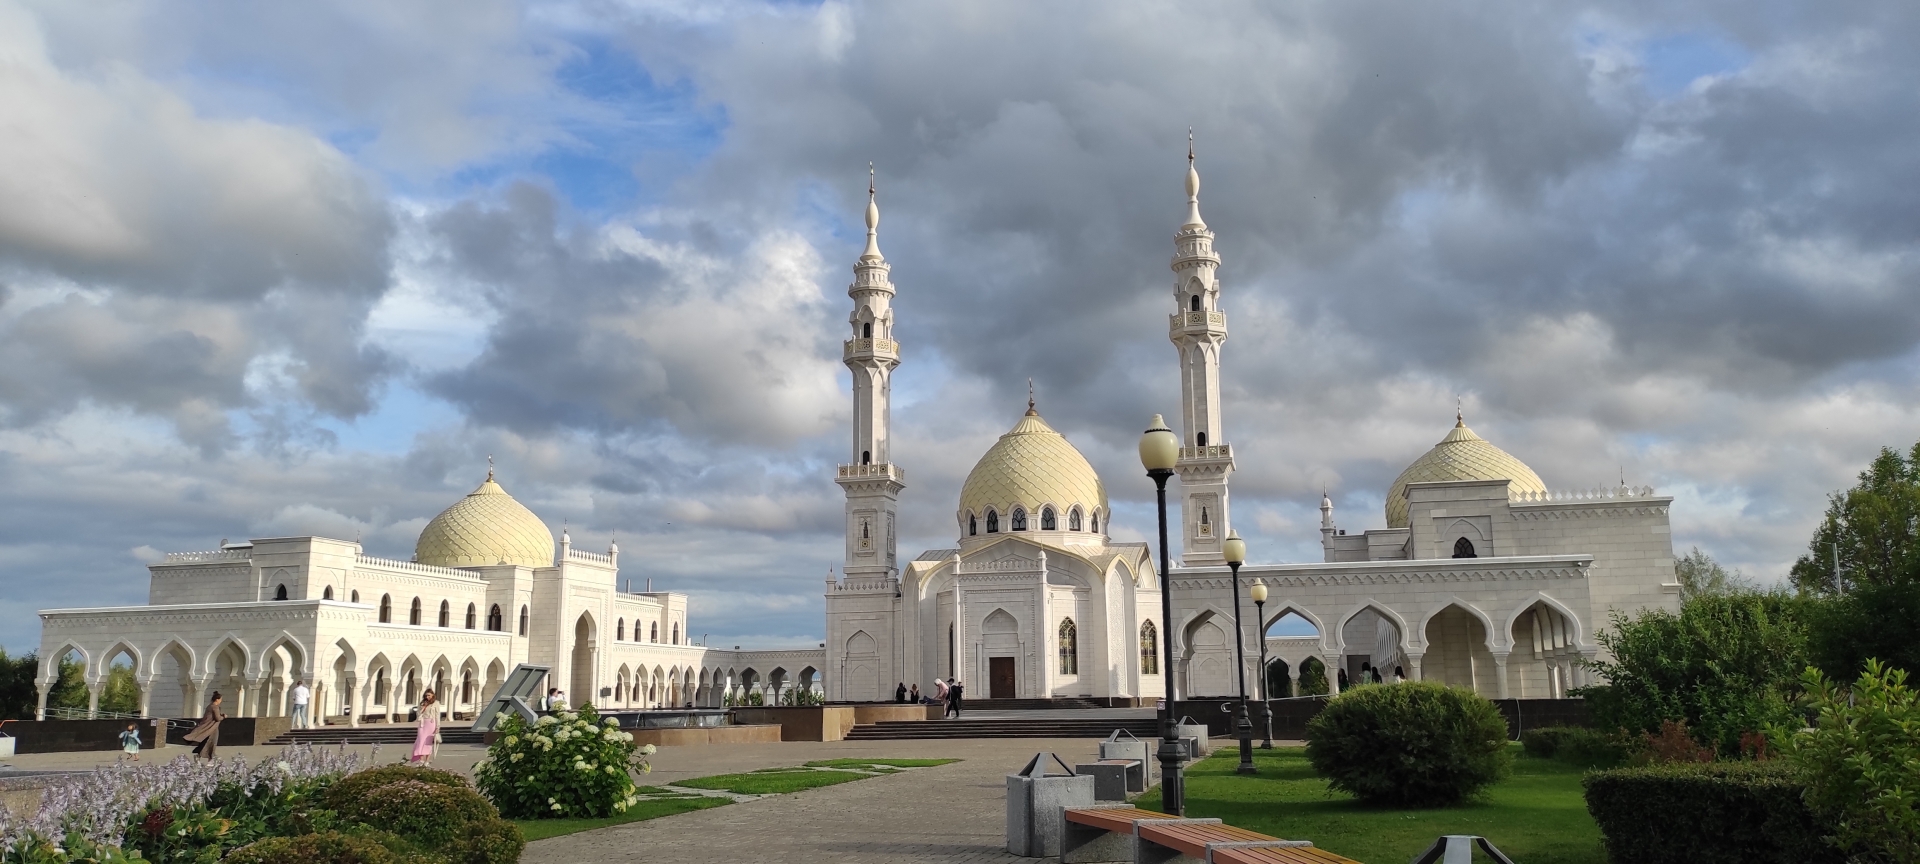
x: 1000, y: 673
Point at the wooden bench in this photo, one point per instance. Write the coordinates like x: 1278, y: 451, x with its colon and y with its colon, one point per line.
x: 1126, y: 833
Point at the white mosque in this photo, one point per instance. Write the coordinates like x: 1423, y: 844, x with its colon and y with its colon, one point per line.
x: 1483, y: 578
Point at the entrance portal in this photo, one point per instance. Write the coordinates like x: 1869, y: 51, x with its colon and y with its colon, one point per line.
x: 1000, y: 683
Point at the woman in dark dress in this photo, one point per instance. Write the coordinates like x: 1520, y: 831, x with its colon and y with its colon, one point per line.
x: 206, y: 735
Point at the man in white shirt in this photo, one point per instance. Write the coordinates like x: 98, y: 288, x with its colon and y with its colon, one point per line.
x: 301, y: 696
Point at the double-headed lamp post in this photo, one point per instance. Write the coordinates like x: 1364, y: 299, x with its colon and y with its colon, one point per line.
x: 1259, y: 593
x: 1159, y: 450
x: 1235, y: 550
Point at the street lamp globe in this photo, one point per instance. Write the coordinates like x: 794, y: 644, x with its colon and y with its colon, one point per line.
x: 1258, y: 592
x: 1235, y: 549
x: 1159, y: 447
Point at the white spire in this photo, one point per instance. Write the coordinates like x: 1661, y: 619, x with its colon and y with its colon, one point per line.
x: 1326, y: 509
x: 873, y: 219
x: 1193, y: 186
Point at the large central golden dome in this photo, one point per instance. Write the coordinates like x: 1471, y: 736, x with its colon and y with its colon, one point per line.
x: 1461, y: 455
x: 1033, y: 466
x: 483, y: 529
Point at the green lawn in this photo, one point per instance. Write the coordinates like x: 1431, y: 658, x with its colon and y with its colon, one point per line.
x: 540, y: 829
x: 869, y: 763
x: 1535, y: 816
x: 773, y: 781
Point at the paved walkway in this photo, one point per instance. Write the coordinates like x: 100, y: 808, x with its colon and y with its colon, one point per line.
x: 952, y: 813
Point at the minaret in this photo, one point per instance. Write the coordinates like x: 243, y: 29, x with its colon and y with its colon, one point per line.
x: 871, y: 481
x: 1198, y: 328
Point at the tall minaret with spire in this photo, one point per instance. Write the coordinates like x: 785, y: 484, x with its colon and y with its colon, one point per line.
x: 1198, y: 328
x: 871, y: 481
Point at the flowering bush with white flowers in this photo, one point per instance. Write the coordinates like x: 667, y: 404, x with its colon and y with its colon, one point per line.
x: 567, y: 765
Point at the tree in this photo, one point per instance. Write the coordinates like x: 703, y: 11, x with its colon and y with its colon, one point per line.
x: 1725, y: 665
x: 18, y: 697
x: 1869, y: 621
x: 1872, y: 529
x: 1701, y: 576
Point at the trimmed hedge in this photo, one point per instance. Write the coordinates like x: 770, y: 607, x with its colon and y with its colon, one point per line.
x: 330, y: 847
x: 348, y: 789
x: 1577, y: 745
x: 1413, y: 744
x: 1713, y: 813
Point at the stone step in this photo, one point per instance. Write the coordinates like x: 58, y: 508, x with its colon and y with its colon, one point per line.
x: 370, y: 735
x: 1035, y: 728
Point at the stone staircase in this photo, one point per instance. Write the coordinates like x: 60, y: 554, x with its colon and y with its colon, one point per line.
x: 1029, y: 704
x: 1024, y: 727
x: 380, y: 734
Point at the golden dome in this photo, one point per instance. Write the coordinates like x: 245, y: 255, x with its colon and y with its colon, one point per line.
x: 485, y: 528
x: 1461, y: 455
x: 1032, y: 465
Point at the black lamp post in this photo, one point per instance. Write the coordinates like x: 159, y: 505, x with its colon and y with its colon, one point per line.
x: 1159, y: 451
x: 1235, y: 550
x: 1259, y: 592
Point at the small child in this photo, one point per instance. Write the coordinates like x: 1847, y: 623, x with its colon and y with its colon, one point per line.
x: 130, y: 741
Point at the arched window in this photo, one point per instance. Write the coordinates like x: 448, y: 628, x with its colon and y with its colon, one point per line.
x: 523, y: 620
x: 1094, y: 522
x: 473, y: 616
x: 1196, y: 303
x: 1463, y: 548
x: 620, y: 630
x: 866, y: 457
x: 1069, y: 651
x: 1046, y: 520
x: 866, y: 330
x: 446, y: 614
x: 413, y: 613
x: 327, y: 594
x: 676, y: 633
x: 280, y: 592
x: 1200, y: 438
x: 493, y: 618
x: 973, y: 526
x: 993, y: 522
x: 1149, y: 649
x: 1019, y: 520
x: 653, y: 632
x: 1073, y: 519
x: 386, y: 609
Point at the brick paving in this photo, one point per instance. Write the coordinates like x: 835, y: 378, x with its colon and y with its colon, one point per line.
x: 951, y: 813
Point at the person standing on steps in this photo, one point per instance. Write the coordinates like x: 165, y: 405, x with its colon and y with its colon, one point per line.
x: 300, y: 696
x: 954, y: 693
x: 426, y: 736
x: 206, y: 734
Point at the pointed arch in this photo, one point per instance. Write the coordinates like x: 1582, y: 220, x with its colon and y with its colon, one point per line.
x: 1285, y: 607
x: 182, y: 656
x: 473, y: 616
x: 1493, y: 640
x: 413, y: 613
x: 494, y: 620
x: 105, y: 658
x: 1578, y: 635
x: 446, y: 615
x: 280, y: 591
x: 1048, y: 521
x: 296, y: 651
x: 1073, y: 518
x: 1017, y: 521
x: 993, y: 521
x: 1463, y: 548
x: 1339, y: 632
x: 386, y: 608
x: 327, y: 594
x: 1149, y: 648
x: 220, y: 646
x: 1069, y: 647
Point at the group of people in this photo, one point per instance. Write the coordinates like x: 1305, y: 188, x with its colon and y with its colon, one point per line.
x: 205, y: 735
x: 948, y: 692
x: 1369, y: 674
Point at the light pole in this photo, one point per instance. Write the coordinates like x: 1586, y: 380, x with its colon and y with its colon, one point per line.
x: 1159, y: 451
x: 1259, y: 592
x: 1235, y: 550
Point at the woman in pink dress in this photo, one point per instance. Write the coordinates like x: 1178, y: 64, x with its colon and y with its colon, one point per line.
x: 427, y: 729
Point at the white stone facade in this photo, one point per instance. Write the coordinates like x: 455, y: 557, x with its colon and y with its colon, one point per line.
x: 252, y: 618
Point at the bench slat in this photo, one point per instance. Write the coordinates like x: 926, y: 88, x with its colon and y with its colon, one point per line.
x: 1192, y: 839
x: 1295, y: 855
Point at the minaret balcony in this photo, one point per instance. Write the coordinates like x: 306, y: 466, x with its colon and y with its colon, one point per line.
x: 876, y: 471
x: 888, y: 349
x: 1197, y: 322
x: 1211, y: 451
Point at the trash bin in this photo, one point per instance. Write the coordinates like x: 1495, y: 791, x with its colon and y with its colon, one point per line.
x: 1124, y: 745
x: 1112, y: 778
x: 1196, y: 736
x: 1034, y: 801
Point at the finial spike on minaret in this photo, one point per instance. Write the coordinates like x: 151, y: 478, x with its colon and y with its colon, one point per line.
x: 873, y: 218
x: 1032, y: 410
x: 1193, y: 185
x: 489, y: 466
x: 1459, y: 412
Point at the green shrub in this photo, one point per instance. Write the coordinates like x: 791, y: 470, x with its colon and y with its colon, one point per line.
x: 1414, y: 744
x: 1861, y: 761
x: 331, y: 847
x: 429, y: 814
x: 1577, y: 745
x: 351, y: 787
x: 566, y: 765
x: 490, y: 841
x: 1683, y: 813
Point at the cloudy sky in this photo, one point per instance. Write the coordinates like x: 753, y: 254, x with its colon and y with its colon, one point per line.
x: 269, y: 269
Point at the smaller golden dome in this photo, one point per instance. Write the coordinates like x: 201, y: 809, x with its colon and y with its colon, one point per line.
x: 1461, y: 455
x: 483, y: 529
